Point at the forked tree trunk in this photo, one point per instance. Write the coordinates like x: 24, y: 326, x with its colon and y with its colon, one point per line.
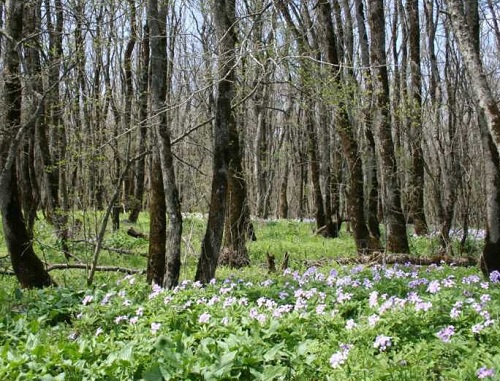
x: 27, y: 266
x: 397, y: 240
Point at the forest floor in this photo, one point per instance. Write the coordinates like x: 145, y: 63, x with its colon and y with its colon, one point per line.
x: 316, y: 320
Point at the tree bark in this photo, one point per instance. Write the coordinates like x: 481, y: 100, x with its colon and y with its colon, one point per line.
x: 27, y: 266
x: 417, y: 179
x: 355, y: 194
x: 466, y: 31
x: 156, y: 20
x: 139, y: 169
x: 370, y: 172
x: 224, y: 18
x: 157, y: 226
x: 397, y: 240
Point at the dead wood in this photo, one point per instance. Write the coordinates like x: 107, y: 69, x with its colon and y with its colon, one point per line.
x: 271, y: 263
x: 136, y: 234
x: 83, y: 266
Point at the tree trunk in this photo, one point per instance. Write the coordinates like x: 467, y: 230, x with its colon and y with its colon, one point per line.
x: 371, y: 183
x: 355, y: 194
x: 224, y: 18
x: 466, y: 31
x: 27, y: 266
x: 139, y: 169
x: 156, y: 21
x: 157, y: 226
x: 417, y: 183
x: 397, y: 240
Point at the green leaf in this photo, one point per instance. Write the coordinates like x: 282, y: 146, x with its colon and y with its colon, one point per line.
x: 274, y: 353
x: 153, y: 374
x: 18, y: 294
x: 274, y: 372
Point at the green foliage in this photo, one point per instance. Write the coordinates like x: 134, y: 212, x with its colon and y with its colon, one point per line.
x: 248, y: 325
x: 251, y: 327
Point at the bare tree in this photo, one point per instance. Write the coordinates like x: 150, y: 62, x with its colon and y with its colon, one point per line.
x: 355, y: 194
x: 157, y: 14
x: 27, y: 266
x: 417, y: 184
x: 397, y: 240
x: 466, y: 31
x: 224, y: 20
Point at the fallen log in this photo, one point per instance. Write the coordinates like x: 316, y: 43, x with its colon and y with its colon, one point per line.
x: 136, y: 234
x: 83, y: 266
x: 393, y: 259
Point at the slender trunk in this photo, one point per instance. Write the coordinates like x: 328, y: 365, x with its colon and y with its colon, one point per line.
x: 139, y: 170
x: 466, y: 31
x: 417, y: 179
x: 371, y: 183
x: 355, y: 194
x: 224, y: 19
x: 397, y: 240
x: 156, y: 20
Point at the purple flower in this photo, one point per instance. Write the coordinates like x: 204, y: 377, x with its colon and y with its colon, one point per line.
x: 485, y: 298
x: 446, y: 333
x: 434, y: 287
x: 373, y: 299
x: 340, y: 357
x: 204, y: 318
x: 382, y: 342
x: 87, y: 300
x: 106, y: 298
x: 495, y: 276
x: 350, y: 324
x: 320, y: 309
x: 477, y: 328
x: 373, y: 319
x: 485, y: 372
x: 134, y: 320
x: 118, y: 319
x: 155, y: 327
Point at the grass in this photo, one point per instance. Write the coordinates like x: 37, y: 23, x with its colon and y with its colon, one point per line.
x: 309, y: 323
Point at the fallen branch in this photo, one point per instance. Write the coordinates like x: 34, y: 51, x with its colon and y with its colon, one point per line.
x: 401, y: 259
x: 112, y: 249
x: 83, y: 266
x: 136, y: 234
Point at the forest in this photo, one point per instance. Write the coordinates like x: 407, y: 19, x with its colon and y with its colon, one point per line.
x: 269, y: 160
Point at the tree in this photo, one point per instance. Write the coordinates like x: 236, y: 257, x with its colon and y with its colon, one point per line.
x: 466, y: 31
x: 397, y: 240
x: 355, y: 194
x: 27, y: 266
x: 416, y: 199
x: 323, y: 214
x: 223, y: 13
x: 157, y: 14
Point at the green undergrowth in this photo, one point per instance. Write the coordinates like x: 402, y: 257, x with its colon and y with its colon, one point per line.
x: 341, y: 323
x: 315, y: 321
